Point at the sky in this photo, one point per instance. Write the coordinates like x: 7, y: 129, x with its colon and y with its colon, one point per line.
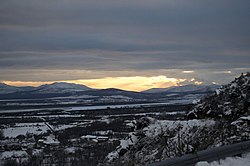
x: 126, y: 44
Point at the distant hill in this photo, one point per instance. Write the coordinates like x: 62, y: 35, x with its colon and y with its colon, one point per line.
x: 184, y: 89
x: 57, y: 87
x: 114, y: 91
x: 6, y: 89
x: 61, y: 87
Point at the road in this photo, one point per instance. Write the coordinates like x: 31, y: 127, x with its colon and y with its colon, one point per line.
x: 208, y: 155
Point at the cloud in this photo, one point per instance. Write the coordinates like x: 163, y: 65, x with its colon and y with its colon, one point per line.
x: 72, y: 40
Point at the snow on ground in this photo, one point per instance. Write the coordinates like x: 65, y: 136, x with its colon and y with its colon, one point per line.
x: 160, y: 126
x: 245, y: 118
x: 105, y: 119
x: 107, y: 132
x: 37, y: 152
x: 156, y: 128
x: 24, y: 128
x: 124, y: 144
x: 229, y: 161
x: 33, y: 128
x: 69, y: 150
x: 51, y: 140
x: 13, y: 154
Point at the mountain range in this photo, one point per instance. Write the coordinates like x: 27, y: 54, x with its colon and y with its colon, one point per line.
x: 62, y: 89
x: 57, y: 87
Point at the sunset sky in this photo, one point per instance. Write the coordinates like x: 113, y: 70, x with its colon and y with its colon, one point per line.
x: 127, y: 44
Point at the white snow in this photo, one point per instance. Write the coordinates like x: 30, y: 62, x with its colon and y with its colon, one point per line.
x: 107, y: 132
x: 245, y: 118
x: 51, y: 140
x: 124, y: 144
x: 229, y: 161
x: 36, y: 152
x: 105, y: 119
x: 24, y: 128
x: 218, y: 91
x: 32, y: 128
x: 11, y: 154
x: 88, y: 137
x: 163, y: 125
x: 196, y: 101
x: 71, y: 149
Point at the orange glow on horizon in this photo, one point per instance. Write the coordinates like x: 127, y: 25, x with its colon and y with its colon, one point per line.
x: 26, y: 83
x: 136, y: 83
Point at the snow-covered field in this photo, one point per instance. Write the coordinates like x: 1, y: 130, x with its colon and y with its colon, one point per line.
x: 229, y: 161
x: 25, y: 128
x: 32, y: 128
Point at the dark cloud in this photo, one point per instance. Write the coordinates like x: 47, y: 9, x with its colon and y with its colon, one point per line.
x: 131, y: 35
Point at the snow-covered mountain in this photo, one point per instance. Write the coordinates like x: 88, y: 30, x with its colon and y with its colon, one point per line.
x: 57, y: 87
x: 61, y: 87
x: 5, y: 89
x: 184, y: 89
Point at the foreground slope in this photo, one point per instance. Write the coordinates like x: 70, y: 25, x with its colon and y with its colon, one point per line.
x: 231, y: 101
x: 218, y: 120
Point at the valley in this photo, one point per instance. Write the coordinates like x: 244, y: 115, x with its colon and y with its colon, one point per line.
x: 80, y: 136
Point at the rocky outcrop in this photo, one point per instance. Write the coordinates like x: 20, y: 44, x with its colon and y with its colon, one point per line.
x: 230, y: 101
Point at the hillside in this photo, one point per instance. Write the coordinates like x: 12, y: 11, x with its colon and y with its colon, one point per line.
x: 61, y: 87
x: 7, y: 89
x: 191, y: 88
x: 231, y: 101
x: 217, y: 120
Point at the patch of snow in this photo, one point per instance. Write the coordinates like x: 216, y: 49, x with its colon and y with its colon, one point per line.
x: 124, y: 145
x: 88, y: 137
x: 229, y: 161
x: 51, y: 140
x: 24, y: 128
x: 13, y: 154
x: 105, y: 119
x: 32, y: 128
x: 196, y: 101
x: 218, y: 91
x: 107, y: 132
x: 245, y: 118
x: 36, y: 152
x: 71, y: 149
x: 163, y: 125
